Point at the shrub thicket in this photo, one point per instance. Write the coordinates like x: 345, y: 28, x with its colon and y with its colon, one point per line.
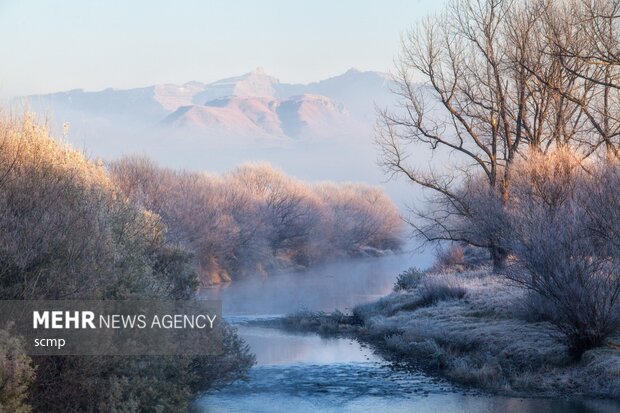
x: 564, y: 240
x: 256, y: 219
x: 67, y: 232
x: 560, y: 227
x: 408, y: 279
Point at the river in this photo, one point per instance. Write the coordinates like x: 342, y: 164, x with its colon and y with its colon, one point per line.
x: 307, y: 373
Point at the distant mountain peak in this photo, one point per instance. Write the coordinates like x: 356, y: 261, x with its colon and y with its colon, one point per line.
x: 255, y: 83
x: 253, y: 104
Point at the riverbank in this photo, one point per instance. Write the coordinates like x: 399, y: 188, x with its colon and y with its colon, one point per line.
x: 476, y: 330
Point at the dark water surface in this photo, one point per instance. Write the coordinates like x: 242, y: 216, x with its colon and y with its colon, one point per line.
x: 307, y: 373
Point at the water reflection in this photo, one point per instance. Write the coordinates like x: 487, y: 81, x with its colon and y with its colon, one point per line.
x: 306, y: 373
x: 275, y: 347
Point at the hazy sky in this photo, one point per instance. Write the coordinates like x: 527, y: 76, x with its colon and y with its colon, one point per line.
x: 59, y: 45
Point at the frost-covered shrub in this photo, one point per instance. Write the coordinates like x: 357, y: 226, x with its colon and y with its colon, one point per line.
x: 532, y: 307
x: 408, y: 279
x: 451, y: 257
x: 439, y: 287
x: 558, y: 230
x: 359, y: 218
x: 316, y: 321
x: 397, y: 342
x: 67, y: 232
x: 564, y: 244
x: 256, y: 219
x: 16, y: 374
x: 475, y: 257
x: 460, y: 257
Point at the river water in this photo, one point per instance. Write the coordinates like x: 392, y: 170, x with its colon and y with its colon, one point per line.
x: 306, y: 373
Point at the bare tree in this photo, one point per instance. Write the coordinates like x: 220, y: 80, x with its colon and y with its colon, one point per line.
x: 582, y: 39
x: 489, y: 82
x: 463, y: 105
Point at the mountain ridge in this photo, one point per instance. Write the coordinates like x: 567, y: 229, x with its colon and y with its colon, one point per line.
x: 254, y: 104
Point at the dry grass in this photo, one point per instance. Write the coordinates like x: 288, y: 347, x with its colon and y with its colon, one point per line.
x: 481, y: 338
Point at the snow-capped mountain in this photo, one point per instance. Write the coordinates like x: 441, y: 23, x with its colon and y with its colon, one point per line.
x: 253, y: 106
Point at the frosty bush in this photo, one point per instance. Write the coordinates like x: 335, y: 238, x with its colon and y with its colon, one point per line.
x: 460, y: 257
x: 16, y: 374
x: 256, y: 218
x: 563, y: 240
x: 440, y: 287
x: 67, y: 232
x: 408, y: 279
x: 559, y: 229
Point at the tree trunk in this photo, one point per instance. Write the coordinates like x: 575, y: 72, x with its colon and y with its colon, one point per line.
x: 498, y: 257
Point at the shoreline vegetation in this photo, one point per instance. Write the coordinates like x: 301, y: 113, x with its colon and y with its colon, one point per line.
x: 67, y: 233
x: 475, y: 329
x: 517, y: 105
x: 73, y: 228
x: 257, y: 220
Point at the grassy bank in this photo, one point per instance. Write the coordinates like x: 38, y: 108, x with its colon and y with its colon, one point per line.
x: 475, y: 329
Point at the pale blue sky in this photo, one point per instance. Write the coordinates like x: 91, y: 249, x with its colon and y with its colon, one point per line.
x: 58, y: 45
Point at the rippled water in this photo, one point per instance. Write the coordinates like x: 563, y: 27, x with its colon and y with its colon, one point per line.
x: 307, y: 373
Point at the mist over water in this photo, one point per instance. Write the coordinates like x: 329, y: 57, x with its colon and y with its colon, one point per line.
x: 305, y: 372
x: 335, y: 286
x: 298, y: 372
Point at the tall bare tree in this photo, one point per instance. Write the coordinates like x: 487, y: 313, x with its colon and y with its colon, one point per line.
x: 455, y: 86
x: 582, y: 37
x: 488, y: 82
